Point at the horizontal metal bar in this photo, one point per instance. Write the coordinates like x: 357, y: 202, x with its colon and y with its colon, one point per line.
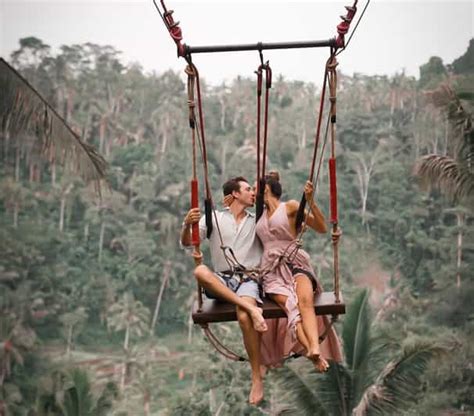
x: 260, y: 46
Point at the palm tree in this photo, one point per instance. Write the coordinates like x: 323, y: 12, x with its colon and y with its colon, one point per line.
x: 452, y: 172
x: 70, y: 393
x: 131, y: 316
x: 34, y: 126
x: 73, y: 322
x: 365, y: 383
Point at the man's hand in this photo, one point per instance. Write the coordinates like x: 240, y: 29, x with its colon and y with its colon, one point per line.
x: 227, y: 201
x: 193, y: 216
x: 197, y: 255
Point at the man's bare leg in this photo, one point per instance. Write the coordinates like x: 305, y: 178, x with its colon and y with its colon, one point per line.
x: 252, y: 340
x: 208, y: 280
x: 304, y: 290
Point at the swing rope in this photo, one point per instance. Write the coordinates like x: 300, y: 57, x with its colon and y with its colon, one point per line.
x: 330, y: 77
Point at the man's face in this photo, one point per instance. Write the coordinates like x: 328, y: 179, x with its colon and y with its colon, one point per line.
x: 246, y: 194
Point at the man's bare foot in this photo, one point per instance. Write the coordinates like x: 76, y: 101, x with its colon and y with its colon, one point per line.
x: 259, y: 323
x: 256, y: 392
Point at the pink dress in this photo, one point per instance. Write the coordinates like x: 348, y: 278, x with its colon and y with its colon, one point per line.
x: 280, y: 339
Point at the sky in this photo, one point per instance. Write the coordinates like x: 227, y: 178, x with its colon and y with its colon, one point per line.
x: 393, y: 36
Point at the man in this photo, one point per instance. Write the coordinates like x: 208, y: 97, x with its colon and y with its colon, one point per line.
x: 237, y: 227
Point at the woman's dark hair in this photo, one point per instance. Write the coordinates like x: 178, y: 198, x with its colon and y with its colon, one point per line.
x: 232, y: 185
x: 272, y: 179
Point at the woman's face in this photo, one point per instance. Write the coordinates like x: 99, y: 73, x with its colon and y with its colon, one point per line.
x: 267, y: 194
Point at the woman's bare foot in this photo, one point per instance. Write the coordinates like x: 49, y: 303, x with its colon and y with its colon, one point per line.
x: 256, y: 392
x: 259, y: 323
x: 320, y: 364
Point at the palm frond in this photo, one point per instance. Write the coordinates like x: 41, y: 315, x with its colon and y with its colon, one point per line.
x: 399, y: 384
x: 357, y: 344
x: 106, y: 399
x: 453, y: 179
x: 28, y: 119
x: 78, y: 398
x: 302, y: 392
x: 334, y: 389
x: 355, y: 332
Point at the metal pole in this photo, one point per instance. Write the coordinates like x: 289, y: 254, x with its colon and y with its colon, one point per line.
x: 260, y: 46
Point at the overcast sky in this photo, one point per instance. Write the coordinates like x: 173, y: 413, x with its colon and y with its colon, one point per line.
x: 393, y: 36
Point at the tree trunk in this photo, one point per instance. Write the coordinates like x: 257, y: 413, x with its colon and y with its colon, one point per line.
x: 125, y: 347
x: 61, y: 213
x: 224, y: 162
x: 69, y: 342
x: 16, y: 209
x: 166, y: 275
x: 17, y: 165
x: 53, y: 173
x: 460, y: 218
x: 101, y: 240
x: 146, y: 403
x: 164, y: 132
x: 86, y: 232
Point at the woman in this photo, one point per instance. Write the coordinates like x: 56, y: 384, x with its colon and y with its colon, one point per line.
x: 289, y: 279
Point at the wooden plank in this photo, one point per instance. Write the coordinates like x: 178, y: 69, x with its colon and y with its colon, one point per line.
x: 215, y: 311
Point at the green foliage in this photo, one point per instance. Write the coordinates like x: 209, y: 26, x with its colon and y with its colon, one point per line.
x: 465, y: 63
x: 64, y: 250
x: 361, y: 386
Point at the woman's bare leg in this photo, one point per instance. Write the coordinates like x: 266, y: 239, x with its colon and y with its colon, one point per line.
x: 300, y: 334
x: 304, y: 290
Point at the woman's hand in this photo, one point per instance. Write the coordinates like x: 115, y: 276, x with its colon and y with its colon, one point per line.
x: 309, y: 192
x: 335, y: 235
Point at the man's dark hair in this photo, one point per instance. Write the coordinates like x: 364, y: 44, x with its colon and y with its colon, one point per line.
x: 232, y: 185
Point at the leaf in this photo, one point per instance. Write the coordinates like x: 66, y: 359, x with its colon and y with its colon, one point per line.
x: 25, y: 114
x: 447, y: 174
x: 304, y: 398
x: 399, y: 384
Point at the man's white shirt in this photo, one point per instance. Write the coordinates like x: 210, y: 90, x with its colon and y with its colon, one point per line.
x: 241, y: 238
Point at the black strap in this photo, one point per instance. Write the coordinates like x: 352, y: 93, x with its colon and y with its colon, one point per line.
x: 208, y: 213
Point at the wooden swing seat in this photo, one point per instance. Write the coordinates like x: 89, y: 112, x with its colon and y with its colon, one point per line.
x: 217, y: 311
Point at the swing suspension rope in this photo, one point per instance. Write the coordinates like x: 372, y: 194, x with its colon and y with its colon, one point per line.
x: 262, y: 157
x: 194, y: 85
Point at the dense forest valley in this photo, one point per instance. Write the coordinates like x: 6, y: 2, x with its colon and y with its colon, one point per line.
x: 96, y: 292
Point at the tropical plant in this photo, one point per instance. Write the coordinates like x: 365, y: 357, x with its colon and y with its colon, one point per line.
x: 73, y: 323
x: 131, y: 316
x: 31, y: 123
x: 70, y: 393
x: 452, y: 172
x: 365, y: 383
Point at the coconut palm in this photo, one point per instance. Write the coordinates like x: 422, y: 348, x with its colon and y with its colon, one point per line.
x: 131, y: 316
x: 365, y: 383
x: 453, y: 171
x: 73, y: 323
x: 70, y: 393
x: 31, y: 124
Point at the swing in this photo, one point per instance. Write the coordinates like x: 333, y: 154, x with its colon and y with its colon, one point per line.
x: 207, y: 311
